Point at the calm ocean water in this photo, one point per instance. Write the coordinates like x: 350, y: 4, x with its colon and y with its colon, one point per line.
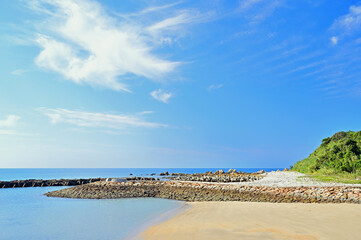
x: 25, y: 213
x: 7, y: 174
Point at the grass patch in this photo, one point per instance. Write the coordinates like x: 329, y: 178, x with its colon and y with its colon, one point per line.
x: 337, y: 159
x: 337, y: 178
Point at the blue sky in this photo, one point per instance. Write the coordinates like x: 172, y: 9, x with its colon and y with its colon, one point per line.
x: 249, y: 83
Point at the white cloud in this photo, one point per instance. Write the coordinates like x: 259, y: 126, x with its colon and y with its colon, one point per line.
x: 246, y: 4
x: 173, y: 22
x: 258, y: 10
x: 98, y: 120
x: 350, y: 21
x: 161, y: 95
x: 334, y: 40
x: 169, y: 30
x: 8, y: 124
x: 85, y: 45
x: 150, y: 9
x: 18, y: 72
x: 10, y: 121
x: 214, y: 87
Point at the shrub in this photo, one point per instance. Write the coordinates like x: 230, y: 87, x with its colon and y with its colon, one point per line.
x: 339, y: 153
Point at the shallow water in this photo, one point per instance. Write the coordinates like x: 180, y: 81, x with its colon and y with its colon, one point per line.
x: 7, y: 174
x: 25, y: 213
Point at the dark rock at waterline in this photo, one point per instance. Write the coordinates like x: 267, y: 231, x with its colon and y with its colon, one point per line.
x: 47, y: 183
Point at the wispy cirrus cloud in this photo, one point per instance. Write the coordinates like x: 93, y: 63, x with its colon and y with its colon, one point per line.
x: 173, y: 23
x: 349, y: 22
x: 161, y: 95
x: 87, y: 45
x: 214, y: 87
x: 346, y: 26
x: 9, y: 121
x: 99, y: 120
x: 150, y: 9
x: 246, y: 4
x: 259, y: 10
x: 18, y: 72
x: 8, y: 126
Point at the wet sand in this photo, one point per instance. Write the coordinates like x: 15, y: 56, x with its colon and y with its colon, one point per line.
x: 253, y: 221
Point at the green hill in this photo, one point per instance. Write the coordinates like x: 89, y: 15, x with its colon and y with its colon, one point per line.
x: 339, y: 154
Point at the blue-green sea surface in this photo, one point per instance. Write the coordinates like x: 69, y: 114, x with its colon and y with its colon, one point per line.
x: 26, y: 214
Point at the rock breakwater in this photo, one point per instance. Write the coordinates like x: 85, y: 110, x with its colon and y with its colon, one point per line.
x: 219, y: 176
x: 47, y: 183
x: 192, y: 192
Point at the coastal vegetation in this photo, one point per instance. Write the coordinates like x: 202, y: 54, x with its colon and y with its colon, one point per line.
x: 338, y: 159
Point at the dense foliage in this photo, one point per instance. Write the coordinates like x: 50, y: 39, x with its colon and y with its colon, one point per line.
x: 339, y: 153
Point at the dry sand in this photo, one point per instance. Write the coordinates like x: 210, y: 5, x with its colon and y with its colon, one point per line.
x: 251, y: 221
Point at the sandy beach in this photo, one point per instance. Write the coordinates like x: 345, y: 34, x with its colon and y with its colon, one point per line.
x: 253, y: 221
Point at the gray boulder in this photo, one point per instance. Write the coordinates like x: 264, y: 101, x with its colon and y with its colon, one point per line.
x: 232, y: 171
x: 219, y: 172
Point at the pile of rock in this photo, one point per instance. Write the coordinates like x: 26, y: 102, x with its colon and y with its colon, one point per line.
x: 47, y: 183
x: 187, y: 191
x: 164, y: 173
x: 217, y: 178
x: 231, y: 176
x: 141, y: 179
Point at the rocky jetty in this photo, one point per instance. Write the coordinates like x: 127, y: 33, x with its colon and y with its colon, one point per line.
x: 189, y: 191
x: 124, y: 179
x: 219, y: 176
x: 47, y: 183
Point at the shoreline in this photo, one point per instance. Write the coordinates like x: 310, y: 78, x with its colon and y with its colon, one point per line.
x: 134, y: 235
x: 256, y: 221
x: 271, y: 208
x: 274, y: 207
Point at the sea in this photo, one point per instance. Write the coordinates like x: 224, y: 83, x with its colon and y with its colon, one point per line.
x: 26, y: 213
